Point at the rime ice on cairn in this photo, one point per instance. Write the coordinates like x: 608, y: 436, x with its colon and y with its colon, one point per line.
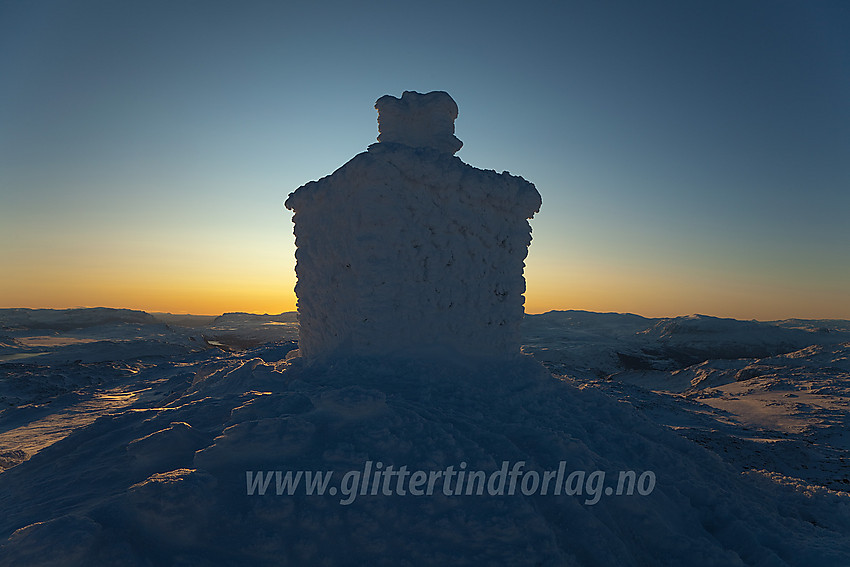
x: 407, y: 250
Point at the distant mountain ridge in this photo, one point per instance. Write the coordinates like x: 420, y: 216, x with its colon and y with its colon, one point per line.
x: 240, y: 317
x: 602, y: 344
x: 571, y: 341
x: 68, y: 319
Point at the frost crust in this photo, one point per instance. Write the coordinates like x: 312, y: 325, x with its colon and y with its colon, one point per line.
x: 406, y: 248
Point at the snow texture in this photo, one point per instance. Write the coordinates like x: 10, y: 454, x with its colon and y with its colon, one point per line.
x: 407, y: 249
x: 419, y: 121
x: 161, y: 479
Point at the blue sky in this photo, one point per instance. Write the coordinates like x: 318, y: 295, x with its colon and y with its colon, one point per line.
x: 692, y: 156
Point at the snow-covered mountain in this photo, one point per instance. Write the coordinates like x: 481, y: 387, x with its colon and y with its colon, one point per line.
x: 69, y: 319
x: 137, y: 440
x: 601, y: 344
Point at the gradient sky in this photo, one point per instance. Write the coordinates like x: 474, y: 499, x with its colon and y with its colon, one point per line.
x: 693, y: 157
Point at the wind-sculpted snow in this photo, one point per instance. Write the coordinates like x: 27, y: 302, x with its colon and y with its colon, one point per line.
x: 785, y: 412
x: 143, y: 461
x: 164, y: 482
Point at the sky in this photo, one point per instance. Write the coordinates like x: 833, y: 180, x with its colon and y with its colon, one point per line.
x: 693, y: 157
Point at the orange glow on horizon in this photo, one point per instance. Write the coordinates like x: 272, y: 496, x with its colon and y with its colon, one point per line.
x: 664, y: 302
x: 239, y: 283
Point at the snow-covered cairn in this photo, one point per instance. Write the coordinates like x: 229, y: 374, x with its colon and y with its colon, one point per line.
x: 407, y: 250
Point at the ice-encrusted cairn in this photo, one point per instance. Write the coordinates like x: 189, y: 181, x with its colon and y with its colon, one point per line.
x: 406, y: 250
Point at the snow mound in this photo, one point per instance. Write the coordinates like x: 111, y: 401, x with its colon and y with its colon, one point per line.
x: 168, y: 483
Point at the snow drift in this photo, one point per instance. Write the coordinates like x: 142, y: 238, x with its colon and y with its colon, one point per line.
x: 165, y: 483
x: 162, y: 479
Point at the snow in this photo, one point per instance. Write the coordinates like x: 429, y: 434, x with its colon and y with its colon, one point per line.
x: 601, y: 344
x: 407, y: 249
x: 158, y: 477
x: 67, y: 319
x: 786, y: 412
x: 419, y: 120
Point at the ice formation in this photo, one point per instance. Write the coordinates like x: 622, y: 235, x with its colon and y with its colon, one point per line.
x: 418, y: 120
x: 406, y: 248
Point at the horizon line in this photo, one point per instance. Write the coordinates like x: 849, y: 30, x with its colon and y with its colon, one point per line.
x: 563, y: 310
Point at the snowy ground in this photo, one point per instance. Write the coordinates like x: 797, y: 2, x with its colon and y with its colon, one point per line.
x: 772, y: 396
x: 125, y: 438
